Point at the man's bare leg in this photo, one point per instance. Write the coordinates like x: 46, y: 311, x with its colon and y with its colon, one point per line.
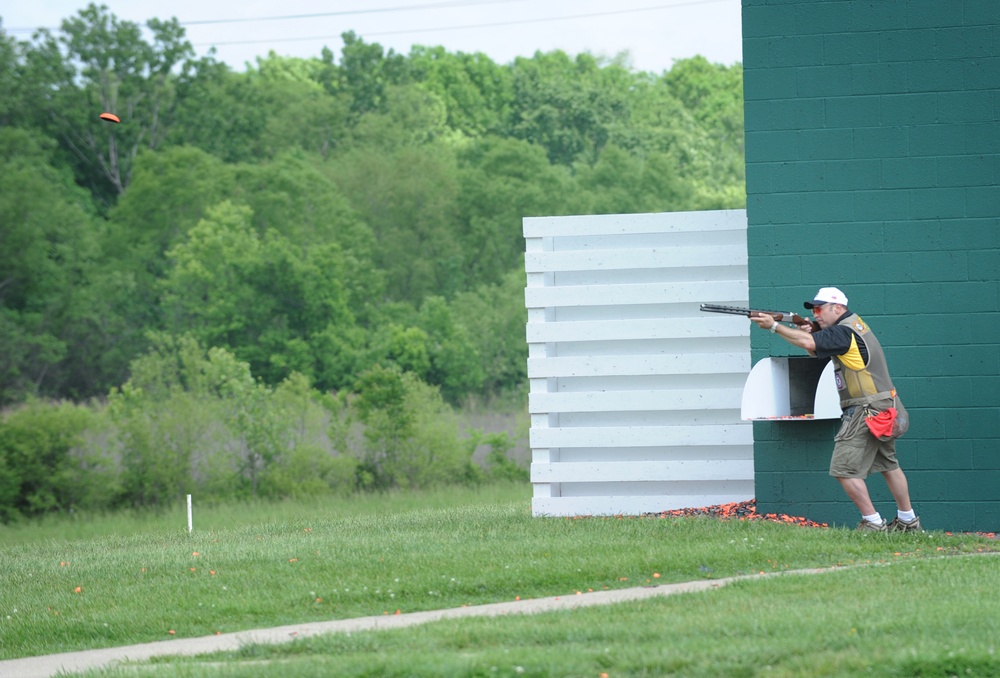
x: 896, y: 480
x: 858, y: 492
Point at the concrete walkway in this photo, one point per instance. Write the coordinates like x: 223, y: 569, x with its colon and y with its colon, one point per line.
x: 51, y: 665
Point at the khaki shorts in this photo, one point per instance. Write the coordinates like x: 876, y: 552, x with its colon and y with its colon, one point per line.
x: 857, y: 453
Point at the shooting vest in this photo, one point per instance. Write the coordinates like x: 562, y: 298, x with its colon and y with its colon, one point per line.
x: 858, y: 383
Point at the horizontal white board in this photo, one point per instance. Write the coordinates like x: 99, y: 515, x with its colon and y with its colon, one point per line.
x: 636, y: 365
x: 628, y: 401
x: 664, y: 257
x: 642, y: 436
x: 649, y: 471
x: 655, y: 328
x: 726, y: 291
x: 609, y: 224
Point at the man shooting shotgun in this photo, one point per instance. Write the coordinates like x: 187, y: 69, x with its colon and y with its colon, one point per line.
x: 873, y: 415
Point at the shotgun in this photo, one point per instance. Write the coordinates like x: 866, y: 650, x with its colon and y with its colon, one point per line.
x: 793, y: 318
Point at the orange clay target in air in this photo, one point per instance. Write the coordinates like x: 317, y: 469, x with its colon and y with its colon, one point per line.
x: 111, y: 117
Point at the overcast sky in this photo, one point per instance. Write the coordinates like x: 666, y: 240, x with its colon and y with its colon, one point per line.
x: 654, y: 33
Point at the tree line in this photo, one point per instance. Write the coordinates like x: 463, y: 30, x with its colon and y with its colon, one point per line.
x: 348, y: 226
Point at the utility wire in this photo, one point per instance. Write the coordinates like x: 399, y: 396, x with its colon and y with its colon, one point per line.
x: 376, y: 10
x: 515, y: 22
x: 404, y: 8
x: 438, y: 5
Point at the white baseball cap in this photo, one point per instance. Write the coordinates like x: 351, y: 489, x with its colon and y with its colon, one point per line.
x: 827, y: 295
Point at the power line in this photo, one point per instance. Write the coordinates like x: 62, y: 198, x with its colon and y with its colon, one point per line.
x: 377, y: 10
x: 436, y: 5
x: 515, y: 22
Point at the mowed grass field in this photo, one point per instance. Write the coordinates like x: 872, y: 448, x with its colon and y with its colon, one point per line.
x: 902, y: 604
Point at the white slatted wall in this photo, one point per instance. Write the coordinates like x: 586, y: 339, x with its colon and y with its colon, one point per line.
x: 635, y: 393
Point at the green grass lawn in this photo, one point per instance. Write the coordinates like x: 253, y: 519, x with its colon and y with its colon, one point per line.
x: 117, y: 580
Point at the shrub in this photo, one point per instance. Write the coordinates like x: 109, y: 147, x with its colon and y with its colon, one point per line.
x: 46, y: 463
x: 411, y: 434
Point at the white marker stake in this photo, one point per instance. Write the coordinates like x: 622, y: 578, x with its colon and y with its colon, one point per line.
x: 189, y: 514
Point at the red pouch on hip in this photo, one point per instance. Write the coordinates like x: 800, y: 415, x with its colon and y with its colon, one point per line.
x: 881, y: 424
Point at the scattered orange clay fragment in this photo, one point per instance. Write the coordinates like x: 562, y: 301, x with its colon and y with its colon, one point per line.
x: 78, y: 589
x: 740, y: 510
x: 171, y: 632
x: 656, y: 575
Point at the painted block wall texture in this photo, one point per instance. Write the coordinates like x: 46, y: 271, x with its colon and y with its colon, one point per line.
x: 873, y: 164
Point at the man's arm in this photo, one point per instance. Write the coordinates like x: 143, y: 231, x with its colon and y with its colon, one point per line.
x: 796, y: 337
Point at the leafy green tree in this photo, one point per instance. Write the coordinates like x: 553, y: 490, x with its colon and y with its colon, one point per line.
x: 10, y: 78
x: 29, y: 352
x: 192, y: 419
x: 305, y: 117
x: 499, y: 464
x: 411, y: 434
x: 406, y: 347
x: 495, y: 316
x: 568, y: 106
x: 100, y: 63
x: 455, y: 365
x: 434, y: 346
x: 220, y: 112
x: 501, y: 182
x: 48, y: 248
x: 408, y: 195
x: 260, y: 296
x: 163, y: 415
x: 310, y: 466
x: 279, y: 105
x: 170, y: 192
x: 366, y: 71
x: 713, y: 95
x: 45, y: 463
x: 620, y: 183
x: 411, y: 117
x: 293, y: 196
x: 256, y: 423
x: 477, y: 93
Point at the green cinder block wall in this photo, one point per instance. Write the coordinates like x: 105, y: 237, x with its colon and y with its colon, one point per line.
x: 873, y: 164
